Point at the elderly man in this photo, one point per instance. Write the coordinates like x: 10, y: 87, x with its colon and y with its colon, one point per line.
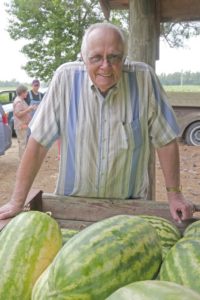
x: 106, y: 113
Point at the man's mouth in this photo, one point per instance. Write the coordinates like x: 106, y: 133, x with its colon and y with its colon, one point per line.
x: 105, y: 75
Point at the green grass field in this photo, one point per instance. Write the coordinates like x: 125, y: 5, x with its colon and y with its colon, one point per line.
x: 182, y: 88
x: 168, y: 88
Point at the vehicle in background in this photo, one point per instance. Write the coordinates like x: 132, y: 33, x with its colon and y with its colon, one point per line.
x: 189, y: 122
x: 187, y: 109
x: 6, y: 99
x: 7, y: 96
x: 5, y: 132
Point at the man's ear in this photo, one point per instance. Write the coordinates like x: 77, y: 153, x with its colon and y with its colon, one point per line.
x: 81, y: 56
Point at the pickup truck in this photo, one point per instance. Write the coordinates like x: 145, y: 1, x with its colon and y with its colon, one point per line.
x: 187, y: 109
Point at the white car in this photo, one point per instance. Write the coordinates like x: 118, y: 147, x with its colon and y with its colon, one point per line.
x: 5, y: 132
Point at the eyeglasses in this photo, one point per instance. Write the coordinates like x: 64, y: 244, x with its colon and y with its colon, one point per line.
x: 111, y: 59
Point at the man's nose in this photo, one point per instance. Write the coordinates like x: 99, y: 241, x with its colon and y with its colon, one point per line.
x: 105, y: 62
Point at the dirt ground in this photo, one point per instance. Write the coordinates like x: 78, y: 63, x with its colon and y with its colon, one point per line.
x: 46, y: 179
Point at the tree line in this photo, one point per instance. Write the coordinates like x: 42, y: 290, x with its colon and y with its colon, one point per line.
x: 177, y: 78
x: 180, y: 78
x: 9, y: 83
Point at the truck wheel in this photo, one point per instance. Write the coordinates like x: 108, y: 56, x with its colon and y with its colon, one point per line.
x: 192, y: 136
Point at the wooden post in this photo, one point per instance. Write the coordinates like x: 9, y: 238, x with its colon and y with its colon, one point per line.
x: 143, y: 31
x: 143, y: 46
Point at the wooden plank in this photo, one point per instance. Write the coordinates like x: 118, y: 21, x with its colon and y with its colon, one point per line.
x: 179, y: 10
x: 116, y: 4
x: 170, y: 10
x: 78, y: 213
x: 92, y: 210
x: 105, y: 8
x: 88, y: 210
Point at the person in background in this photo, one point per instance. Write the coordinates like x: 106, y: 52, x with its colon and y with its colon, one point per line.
x: 107, y: 112
x: 34, y: 97
x: 22, y: 116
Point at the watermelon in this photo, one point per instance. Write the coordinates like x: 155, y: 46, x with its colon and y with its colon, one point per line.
x: 169, y: 234
x: 193, y: 230
x: 154, y: 290
x: 67, y: 234
x: 29, y: 243
x: 41, y: 285
x: 182, y: 264
x: 102, y: 258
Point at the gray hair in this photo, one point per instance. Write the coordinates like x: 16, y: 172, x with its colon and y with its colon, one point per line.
x: 21, y: 89
x: 107, y: 25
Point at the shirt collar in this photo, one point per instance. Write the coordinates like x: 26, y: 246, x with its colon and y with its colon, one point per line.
x: 111, y: 90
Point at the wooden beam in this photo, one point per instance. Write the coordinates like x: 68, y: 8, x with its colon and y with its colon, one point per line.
x: 170, y: 10
x: 78, y: 212
x: 107, y: 5
x: 119, y: 4
x: 105, y: 8
x: 179, y: 10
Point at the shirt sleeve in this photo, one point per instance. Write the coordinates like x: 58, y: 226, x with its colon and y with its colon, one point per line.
x: 163, y: 125
x: 18, y: 107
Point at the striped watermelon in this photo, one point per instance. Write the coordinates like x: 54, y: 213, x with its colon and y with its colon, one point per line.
x: 182, y: 264
x: 167, y: 231
x: 41, y: 285
x: 67, y: 234
x: 28, y: 244
x: 193, y: 230
x: 154, y: 290
x: 101, y: 258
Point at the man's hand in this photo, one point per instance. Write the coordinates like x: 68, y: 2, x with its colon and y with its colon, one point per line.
x: 9, y: 210
x: 180, y: 208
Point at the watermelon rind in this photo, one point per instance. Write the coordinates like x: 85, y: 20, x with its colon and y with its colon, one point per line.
x: 182, y: 264
x: 193, y: 230
x: 169, y: 234
x: 154, y: 290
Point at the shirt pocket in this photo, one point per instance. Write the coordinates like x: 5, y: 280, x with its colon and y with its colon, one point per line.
x: 130, y: 135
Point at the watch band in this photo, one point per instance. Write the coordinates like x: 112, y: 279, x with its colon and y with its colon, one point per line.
x: 175, y: 189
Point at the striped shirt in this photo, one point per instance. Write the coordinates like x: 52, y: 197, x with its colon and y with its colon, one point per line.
x: 105, y: 141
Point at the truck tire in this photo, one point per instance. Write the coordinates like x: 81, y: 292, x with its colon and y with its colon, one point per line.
x: 192, y: 135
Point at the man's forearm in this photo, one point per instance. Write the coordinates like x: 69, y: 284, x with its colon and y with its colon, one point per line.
x: 27, y: 171
x: 169, y: 160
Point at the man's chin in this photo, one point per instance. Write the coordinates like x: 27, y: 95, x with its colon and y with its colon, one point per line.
x: 104, y: 87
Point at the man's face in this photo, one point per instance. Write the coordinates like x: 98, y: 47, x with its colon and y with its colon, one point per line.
x: 104, y: 58
x: 35, y: 87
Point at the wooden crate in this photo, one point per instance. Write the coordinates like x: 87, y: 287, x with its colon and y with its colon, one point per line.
x: 78, y: 213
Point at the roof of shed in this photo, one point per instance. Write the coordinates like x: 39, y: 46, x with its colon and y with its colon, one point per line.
x: 168, y: 10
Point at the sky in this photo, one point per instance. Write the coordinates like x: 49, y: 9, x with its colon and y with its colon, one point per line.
x: 11, y: 59
x: 171, y: 60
